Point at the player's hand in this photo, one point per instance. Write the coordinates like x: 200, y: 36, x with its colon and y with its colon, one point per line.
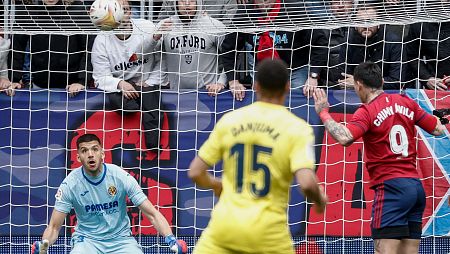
x: 320, y: 100
x: 348, y: 82
x: 237, y: 89
x: 39, y: 247
x: 320, y: 206
x: 310, y: 86
x: 214, y: 89
x: 128, y: 90
x: 165, y: 26
x: 436, y: 83
x: 177, y: 246
x: 74, y: 89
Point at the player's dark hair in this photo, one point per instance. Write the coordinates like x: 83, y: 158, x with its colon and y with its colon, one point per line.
x: 369, y: 74
x: 87, y: 138
x: 272, y: 75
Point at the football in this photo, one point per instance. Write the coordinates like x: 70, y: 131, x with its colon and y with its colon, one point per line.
x: 106, y: 14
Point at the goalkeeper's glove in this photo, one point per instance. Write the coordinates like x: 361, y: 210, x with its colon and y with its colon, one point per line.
x: 177, y: 246
x: 39, y: 247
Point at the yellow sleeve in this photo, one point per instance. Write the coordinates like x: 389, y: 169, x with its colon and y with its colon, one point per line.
x: 211, y: 151
x: 302, y: 153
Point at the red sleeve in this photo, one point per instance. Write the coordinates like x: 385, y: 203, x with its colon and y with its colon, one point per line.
x: 424, y: 120
x: 360, y: 123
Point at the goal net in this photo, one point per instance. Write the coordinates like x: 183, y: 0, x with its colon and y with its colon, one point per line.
x: 47, y: 45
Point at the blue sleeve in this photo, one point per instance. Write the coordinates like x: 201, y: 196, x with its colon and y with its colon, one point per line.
x: 63, y: 198
x: 134, y: 191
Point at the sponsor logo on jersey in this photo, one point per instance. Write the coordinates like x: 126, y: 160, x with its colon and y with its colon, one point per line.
x: 112, y: 191
x: 133, y: 61
x: 101, y: 207
x: 58, y: 195
x: 84, y: 193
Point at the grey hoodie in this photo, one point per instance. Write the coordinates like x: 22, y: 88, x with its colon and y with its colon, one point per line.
x: 222, y: 10
x: 4, y: 50
x: 192, y: 58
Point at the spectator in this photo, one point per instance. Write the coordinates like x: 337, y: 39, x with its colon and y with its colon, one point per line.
x: 56, y: 60
x: 294, y: 48
x: 222, y: 10
x: 192, y: 58
x: 428, y: 49
x: 4, y: 50
x: 373, y: 44
x: 126, y: 66
x: 342, y: 11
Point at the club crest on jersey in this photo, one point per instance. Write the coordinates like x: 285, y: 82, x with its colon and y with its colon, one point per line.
x: 188, y: 59
x: 58, y: 195
x: 112, y: 191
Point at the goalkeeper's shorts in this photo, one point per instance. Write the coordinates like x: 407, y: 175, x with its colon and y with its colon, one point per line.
x: 122, y: 245
x: 397, y: 209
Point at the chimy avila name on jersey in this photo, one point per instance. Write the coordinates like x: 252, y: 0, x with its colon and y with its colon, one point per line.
x: 389, y: 111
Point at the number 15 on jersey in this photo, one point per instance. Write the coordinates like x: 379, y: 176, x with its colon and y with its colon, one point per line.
x: 251, y: 153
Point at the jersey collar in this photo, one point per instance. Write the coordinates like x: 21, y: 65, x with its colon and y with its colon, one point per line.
x: 101, y: 179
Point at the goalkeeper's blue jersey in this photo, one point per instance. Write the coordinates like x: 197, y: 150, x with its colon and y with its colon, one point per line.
x: 100, y: 202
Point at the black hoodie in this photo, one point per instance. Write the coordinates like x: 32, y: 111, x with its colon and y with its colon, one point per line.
x: 296, y: 47
x: 56, y: 60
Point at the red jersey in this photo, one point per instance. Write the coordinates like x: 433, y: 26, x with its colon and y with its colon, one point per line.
x: 387, y: 126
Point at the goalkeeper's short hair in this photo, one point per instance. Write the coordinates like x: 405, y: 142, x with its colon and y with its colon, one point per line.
x: 87, y: 138
x: 272, y: 75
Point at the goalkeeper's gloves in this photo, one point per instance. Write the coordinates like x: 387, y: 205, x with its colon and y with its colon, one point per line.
x: 39, y: 247
x: 177, y: 246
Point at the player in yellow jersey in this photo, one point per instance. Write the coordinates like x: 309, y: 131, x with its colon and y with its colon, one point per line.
x: 263, y: 146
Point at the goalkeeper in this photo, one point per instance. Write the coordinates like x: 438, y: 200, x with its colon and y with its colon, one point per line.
x: 97, y: 191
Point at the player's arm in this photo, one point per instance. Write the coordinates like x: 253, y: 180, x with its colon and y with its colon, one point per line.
x: 339, y: 131
x: 161, y: 224
x: 307, y: 180
x: 137, y: 196
x: 427, y: 122
x: 198, y: 172
x: 50, y: 234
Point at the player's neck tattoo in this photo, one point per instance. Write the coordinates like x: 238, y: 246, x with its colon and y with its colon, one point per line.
x: 374, y: 93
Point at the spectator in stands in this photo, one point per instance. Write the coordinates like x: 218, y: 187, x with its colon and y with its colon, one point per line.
x: 374, y: 44
x: 301, y: 50
x: 4, y: 50
x: 428, y: 49
x: 126, y: 65
x: 222, y: 10
x: 56, y: 60
x: 341, y: 11
x: 192, y: 57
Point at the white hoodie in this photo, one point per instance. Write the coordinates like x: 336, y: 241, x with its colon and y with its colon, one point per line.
x: 192, y: 58
x: 134, y: 59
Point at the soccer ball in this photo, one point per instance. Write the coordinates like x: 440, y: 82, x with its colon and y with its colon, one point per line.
x: 106, y: 14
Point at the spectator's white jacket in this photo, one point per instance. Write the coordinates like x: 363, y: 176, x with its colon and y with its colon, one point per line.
x: 4, y: 50
x: 192, y: 57
x: 135, y: 59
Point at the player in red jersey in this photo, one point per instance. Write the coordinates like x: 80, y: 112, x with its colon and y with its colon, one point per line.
x: 386, y: 122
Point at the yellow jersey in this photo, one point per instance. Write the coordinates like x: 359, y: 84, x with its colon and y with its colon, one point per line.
x: 261, y: 145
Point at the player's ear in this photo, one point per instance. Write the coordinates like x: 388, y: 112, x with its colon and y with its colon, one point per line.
x: 257, y: 87
x: 103, y: 154
x: 78, y: 157
x: 287, y: 87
